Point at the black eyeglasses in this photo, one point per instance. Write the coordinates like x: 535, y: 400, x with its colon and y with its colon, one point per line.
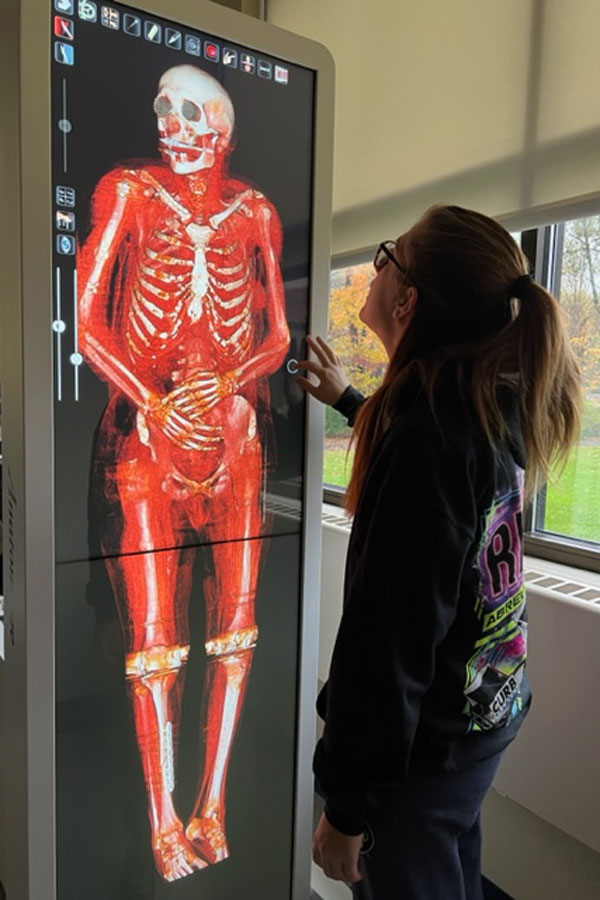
x: 384, y: 253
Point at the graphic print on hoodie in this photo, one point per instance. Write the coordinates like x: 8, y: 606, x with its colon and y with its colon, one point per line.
x: 495, y: 671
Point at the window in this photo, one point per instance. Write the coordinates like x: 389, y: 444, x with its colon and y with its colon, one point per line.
x: 569, y: 507
x: 362, y: 354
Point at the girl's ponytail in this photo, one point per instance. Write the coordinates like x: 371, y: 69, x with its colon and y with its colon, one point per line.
x: 547, y: 380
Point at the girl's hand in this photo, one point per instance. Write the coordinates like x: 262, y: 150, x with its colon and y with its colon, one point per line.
x: 336, y: 853
x: 333, y: 380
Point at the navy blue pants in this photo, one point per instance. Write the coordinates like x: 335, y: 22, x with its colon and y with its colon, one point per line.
x: 427, y: 845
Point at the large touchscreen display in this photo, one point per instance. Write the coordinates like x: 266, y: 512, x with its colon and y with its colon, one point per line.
x: 182, y: 165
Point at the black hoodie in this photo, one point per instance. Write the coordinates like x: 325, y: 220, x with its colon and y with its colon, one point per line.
x: 428, y: 669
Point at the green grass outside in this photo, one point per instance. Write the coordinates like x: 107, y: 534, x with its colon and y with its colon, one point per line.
x: 572, y: 504
x: 337, y: 467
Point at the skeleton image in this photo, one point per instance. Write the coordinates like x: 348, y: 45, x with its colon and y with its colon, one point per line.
x: 182, y: 314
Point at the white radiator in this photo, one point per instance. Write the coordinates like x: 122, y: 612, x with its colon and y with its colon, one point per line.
x: 552, y: 768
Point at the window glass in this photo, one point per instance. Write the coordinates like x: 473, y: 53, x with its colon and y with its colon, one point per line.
x: 363, y: 357
x: 570, y: 505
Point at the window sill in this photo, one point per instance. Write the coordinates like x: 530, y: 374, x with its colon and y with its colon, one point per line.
x: 579, y: 557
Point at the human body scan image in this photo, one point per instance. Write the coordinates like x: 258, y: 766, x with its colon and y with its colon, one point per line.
x: 175, y: 409
x: 183, y: 333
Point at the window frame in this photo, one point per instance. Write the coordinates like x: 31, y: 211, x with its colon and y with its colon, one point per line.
x: 543, y: 246
x: 332, y: 494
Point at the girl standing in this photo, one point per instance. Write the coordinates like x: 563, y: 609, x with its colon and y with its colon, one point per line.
x: 427, y: 685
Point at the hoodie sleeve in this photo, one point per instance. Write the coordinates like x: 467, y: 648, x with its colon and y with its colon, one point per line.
x: 412, y: 537
x: 349, y: 404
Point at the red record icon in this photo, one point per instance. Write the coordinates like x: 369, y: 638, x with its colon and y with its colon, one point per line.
x: 211, y: 51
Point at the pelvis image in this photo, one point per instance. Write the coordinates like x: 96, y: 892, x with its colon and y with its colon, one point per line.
x: 182, y: 315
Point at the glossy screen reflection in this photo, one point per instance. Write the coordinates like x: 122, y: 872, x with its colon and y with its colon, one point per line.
x: 180, y: 327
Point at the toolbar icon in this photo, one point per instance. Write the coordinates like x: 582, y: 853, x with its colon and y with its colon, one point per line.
x: 64, y: 53
x: 230, y: 57
x: 88, y: 11
x: 265, y: 69
x: 110, y: 17
x: 152, y: 32
x: 173, y: 38
x: 193, y: 45
x: 247, y: 63
x: 65, y: 221
x: 65, y: 196
x: 65, y: 244
x: 211, y: 51
x: 281, y: 75
x: 64, y: 28
x: 132, y: 25
x: 65, y: 6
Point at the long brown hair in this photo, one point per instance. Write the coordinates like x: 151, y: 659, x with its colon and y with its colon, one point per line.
x: 474, y: 309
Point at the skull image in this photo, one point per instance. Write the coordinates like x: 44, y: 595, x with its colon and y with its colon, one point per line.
x: 195, y: 119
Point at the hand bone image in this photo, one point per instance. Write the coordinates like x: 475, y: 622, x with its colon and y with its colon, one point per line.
x: 182, y: 315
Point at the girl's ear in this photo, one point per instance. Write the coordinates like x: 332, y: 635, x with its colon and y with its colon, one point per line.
x: 404, y: 306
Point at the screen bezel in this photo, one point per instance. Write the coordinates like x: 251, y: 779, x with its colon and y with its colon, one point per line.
x: 28, y: 428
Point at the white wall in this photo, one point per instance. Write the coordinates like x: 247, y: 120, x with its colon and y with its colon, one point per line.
x: 488, y: 104
x: 552, y: 769
x: 492, y: 105
x: 542, y: 836
x: 530, y: 859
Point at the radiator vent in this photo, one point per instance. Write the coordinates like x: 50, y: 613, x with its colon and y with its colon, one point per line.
x: 340, y: 521
x: 290, y: 509
x: 293, y: 510
x: 563, y: 586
